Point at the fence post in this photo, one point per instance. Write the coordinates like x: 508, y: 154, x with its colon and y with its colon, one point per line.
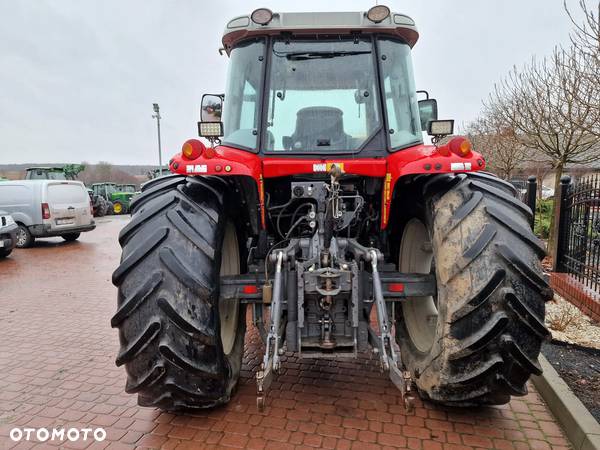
x: 531, y: 196
x: 560, y: 223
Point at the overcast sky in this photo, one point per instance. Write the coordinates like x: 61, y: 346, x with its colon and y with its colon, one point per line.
x: 78, y: 77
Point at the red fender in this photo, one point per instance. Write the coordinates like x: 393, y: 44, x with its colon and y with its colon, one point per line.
x: 453, y: 157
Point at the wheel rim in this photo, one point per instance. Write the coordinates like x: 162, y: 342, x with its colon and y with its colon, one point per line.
x: 21, y: 237
x: 117, y: 208
x: 420, y: 313
x: 229, y: 309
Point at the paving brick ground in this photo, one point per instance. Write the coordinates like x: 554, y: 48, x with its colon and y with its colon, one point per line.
x: 57, y: 371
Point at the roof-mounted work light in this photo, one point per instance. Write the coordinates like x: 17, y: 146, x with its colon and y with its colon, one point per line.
x: 261, y: 16
x: 378, y: 13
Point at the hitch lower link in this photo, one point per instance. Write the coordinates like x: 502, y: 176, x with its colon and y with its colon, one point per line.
x: 384, y: 343
x: 270, y: 364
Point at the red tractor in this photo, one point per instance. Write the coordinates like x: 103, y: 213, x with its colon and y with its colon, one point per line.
x: 318, y: 206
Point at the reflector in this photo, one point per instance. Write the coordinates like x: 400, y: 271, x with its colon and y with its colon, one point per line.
x: 250, y: 289
x: 396, y: 287
x: 378, y: 13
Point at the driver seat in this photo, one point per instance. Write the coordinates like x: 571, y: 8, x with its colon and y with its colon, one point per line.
x: 320, y: 127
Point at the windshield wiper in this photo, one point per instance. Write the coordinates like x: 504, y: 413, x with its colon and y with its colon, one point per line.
x: 303, y: 56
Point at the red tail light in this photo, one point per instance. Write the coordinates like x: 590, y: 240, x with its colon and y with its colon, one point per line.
x: 192, y: 149
x: 45, y: 211
x: 460, y: 146
x: 250, y: 289
x: 209, y: 153
x: 396, y: 287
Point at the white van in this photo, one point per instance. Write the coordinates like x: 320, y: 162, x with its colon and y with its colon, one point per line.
x: 45, y: 208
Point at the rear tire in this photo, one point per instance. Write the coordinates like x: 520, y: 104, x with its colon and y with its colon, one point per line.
x: 24, y: 237
x: 177, y: 347
x: 70, y: 237
x: 478, y: 341
x: 4, y: 252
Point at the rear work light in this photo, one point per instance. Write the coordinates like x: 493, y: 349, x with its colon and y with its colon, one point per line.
x: 378, y: 13
x: 45, y: 211
x: 261, y: 16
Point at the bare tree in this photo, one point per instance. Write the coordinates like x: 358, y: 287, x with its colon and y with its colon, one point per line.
x: 585, y: 39
x: 497, y: 142
x: 106, y: 172
x: 542, y: 103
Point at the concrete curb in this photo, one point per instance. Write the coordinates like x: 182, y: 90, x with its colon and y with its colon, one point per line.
x: 580, y: 426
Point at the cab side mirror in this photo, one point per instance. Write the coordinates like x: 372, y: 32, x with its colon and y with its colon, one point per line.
x: 428, y: 111
x: 211, y: 125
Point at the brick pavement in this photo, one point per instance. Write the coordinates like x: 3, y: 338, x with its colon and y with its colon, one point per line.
x: 57, y: 371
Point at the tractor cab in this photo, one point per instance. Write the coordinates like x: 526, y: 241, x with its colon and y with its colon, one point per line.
x: 126, y: 188
x: 302, y: 83
x: 45, y: 173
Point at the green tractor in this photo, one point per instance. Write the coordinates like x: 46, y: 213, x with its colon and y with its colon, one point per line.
x: 118, y: 200
x: 129, y: 188
x: 67, y: 172
x: 100, y: 205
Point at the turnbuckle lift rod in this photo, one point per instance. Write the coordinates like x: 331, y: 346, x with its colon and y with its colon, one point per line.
x: 270, y: 364
x: 385, y: 342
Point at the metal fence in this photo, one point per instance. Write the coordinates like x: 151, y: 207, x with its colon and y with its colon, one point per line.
x: 577, y: 246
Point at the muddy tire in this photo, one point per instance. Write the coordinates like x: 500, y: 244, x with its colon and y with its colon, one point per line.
x: 100, y: 208
x: 180, y: 347
x: 478, y: 341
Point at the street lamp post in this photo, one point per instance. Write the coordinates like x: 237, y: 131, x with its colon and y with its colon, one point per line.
x: 156, y: 116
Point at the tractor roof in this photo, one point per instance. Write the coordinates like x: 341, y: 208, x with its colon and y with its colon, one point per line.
x: 243, y: 27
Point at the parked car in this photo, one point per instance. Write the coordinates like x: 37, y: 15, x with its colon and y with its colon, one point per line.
x: 8, y: 234
x: 547, y: 192
x: 46, y: 208
x: 521, y: 185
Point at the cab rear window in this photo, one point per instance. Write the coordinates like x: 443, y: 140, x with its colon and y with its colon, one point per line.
x: 66, y: 193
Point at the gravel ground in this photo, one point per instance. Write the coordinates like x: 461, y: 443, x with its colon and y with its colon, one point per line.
x: 575, y: 351
x: 568, y: 324
x: 580, y: 368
